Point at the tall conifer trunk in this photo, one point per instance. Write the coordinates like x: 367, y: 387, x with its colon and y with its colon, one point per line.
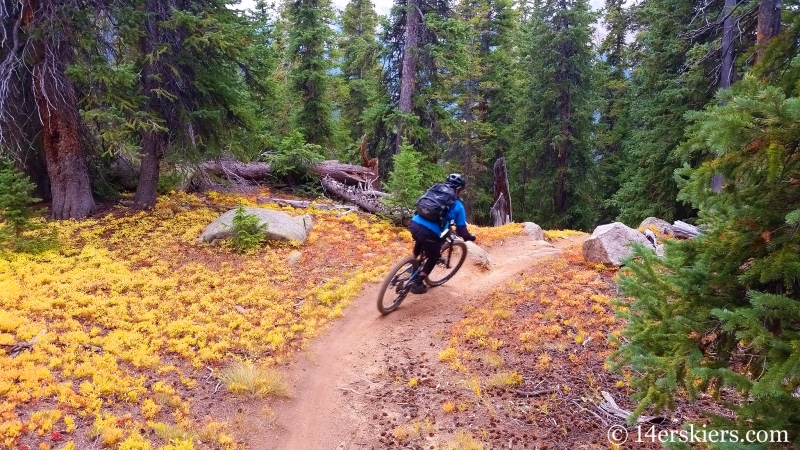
x: 726, y: 71
x: 409, y: 66
x: 153, y: 147
x: 55, y: 98
x: 153, y: 141
x: 769, y: 24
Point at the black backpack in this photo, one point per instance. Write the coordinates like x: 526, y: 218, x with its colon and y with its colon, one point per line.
x: 436, y: 202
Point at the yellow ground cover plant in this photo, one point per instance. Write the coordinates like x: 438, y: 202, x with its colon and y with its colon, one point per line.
x: 116, y: 336
x: 548, y: 328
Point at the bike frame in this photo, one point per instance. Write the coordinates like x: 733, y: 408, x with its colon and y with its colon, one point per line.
x: 448, y: 236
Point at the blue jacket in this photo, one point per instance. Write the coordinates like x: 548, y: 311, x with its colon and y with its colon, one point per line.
x: 457, y: 214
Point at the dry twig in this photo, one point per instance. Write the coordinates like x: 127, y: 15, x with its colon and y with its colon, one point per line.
x: 534, y: 393
x: 19, y: 347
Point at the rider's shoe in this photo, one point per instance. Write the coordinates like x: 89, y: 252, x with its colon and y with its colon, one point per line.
x: 418, y: 287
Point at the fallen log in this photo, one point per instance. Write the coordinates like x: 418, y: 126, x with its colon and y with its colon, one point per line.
x: 347, y: 174
x: 254, y: 171
x: 684, y: 230
x: 353, y: 194
x: 258, y: 171
x: 610, y: 407
x: 344, y: 209
x: 284, y: 202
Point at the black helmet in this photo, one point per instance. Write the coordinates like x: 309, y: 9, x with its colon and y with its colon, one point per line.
x: 456, y: 181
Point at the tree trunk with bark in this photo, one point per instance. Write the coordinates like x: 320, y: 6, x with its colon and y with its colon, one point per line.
x: 153, y: 147
x: 769, y: 24
x: 153, y: 141
x: 501, y: 210
x: 345, y: 181
x: 409, y: 66
x: 348, y: 174
x: 726, y: 71
x: 55, y: 98
x: 364, y: 200
x: 70, y: 188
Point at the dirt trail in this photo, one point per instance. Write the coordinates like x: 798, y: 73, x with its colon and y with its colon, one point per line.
x: 331, y: 380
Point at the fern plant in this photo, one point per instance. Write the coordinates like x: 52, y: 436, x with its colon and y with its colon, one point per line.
x: 249, y: 233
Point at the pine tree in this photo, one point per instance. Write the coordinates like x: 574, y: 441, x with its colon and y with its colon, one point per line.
x: 483, y: 98
x: 409, y: 179
x: 20, y: 229
x: 669, y: 79
x: 416, y: 112
x: 552, y: 160
x: 360, y: 66
x: 202, y: 71
x: 720, y: 314
x: 612, y: 120
x: 47, y: 32
x: 310, y: 41
x: 405, y: 183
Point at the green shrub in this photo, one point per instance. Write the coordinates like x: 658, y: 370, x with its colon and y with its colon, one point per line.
x: 293, y: 159
x: 719, y: 315
x: 169, y: 181
x: 22, y: 228
x: 248, y: 232
x: 409, y: 179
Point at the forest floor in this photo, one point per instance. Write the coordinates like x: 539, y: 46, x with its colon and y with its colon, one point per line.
x: 141, y: 323
x: 511, y: 357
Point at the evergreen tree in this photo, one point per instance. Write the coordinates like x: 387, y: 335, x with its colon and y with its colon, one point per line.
x: 720, y: 313
x: 408, y: 180
x: 15, y: 201
x: 20, y: 227
x: 404, y: 183
x: 360, y: 66
x: 501, y: 93
x: 202, y: 71
x: 483, y: 95
x: 310, y: 43
x: 273, y: 25
x: 552, y: 160
x: 612, y: 124
x: 416, y: 112
x: 39, y: 38
x: 666, y: 82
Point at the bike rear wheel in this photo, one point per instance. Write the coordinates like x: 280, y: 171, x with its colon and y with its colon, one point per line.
x: 453, y: 256
x: 395, y: 286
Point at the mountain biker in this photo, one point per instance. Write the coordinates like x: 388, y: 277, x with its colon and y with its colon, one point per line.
x: 429, y: 235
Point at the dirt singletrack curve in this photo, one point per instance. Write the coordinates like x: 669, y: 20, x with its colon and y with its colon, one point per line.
x: 331, y: 380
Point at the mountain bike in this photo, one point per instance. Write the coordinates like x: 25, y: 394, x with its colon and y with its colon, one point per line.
x: 397, y: 284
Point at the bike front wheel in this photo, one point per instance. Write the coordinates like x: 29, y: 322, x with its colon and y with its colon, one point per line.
x: 395, y: 286
x: 453, y: 256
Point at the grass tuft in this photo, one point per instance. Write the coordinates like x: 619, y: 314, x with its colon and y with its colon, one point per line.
x: 464, y: 441
x: 246, y: 378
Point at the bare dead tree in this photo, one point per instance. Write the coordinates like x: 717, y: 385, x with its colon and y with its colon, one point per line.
x: 501, y: 210
x: 726, y: 70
